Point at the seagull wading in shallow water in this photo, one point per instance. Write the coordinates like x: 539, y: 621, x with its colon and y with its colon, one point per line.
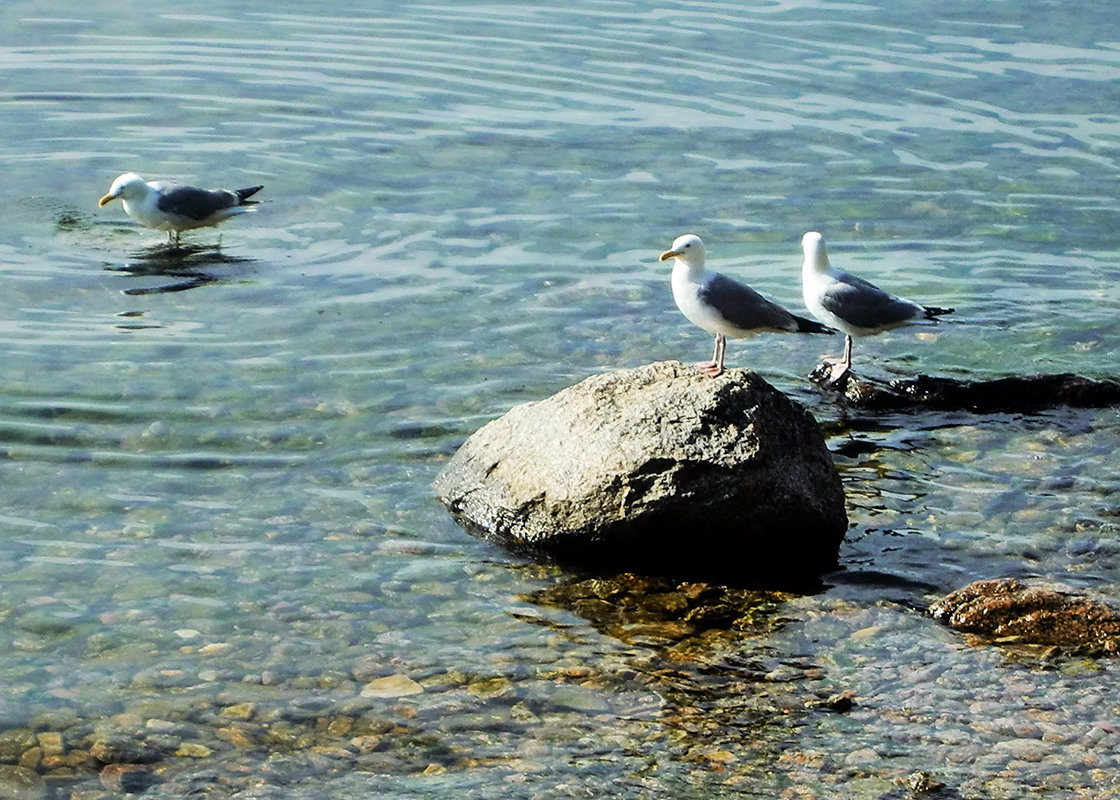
x: 723, y: 306
x: 853, y: 305
x: 174, y: 208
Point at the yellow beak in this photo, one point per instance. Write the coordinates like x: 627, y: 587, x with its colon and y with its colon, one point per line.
x: 104, y: 201
x: 669, y: 254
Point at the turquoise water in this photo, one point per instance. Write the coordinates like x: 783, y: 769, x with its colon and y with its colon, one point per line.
x: 217, y: 466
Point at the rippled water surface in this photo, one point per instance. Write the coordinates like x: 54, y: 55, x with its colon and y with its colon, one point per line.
x: 216, y: 517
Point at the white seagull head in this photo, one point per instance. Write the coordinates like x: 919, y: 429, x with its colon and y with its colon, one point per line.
x: 688, y: 249
x: 129, y: 186
x: 812, y: 244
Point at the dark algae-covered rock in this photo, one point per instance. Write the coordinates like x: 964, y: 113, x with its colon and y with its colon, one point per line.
x: 660, y: 468
x: 1018, y: 394
x: 1010, y: 612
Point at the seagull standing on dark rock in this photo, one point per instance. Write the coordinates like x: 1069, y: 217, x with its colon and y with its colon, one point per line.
x: 853, y: 305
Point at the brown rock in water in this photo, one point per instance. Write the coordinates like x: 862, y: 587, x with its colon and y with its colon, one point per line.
x: 1023, y: 394
x: 1012, y: 612
x: 126, y: 778
x: 657, y: 468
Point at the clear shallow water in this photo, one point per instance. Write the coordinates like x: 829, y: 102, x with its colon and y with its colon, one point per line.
x: 217, y: 471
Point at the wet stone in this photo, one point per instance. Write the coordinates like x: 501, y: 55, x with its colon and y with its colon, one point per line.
x: 13, y: 744
x: 31, y: 758
x: 576, y: 698
x: 1024, y: 749
x: 164, y: 742
x: 283, y: 734
x: 369, y: 743
x: 287, y: 768
x: 126, y: 778
x: 368, y: 668
x: 306, y: 709
x: 239, y: 711
x: 489, y: 687
x: 1009, y: 612
x: 193, y: 750
x: 51, y: 744
x: 392, y: 686
x: 112, y: 748
x: 77, y: 759
x: 237, y: 736
x: 840, y: 702
x: 921, y: 782
x: 863, y: 756
x: 19, y: 783
x: 1015, y: 394
x: 57, y: 719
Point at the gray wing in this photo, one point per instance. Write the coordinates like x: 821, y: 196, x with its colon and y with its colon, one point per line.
x: 865, y: 305
x: 194, y: 203
x: 745, y: 308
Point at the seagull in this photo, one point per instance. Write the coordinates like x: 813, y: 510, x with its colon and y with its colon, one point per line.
x: 855, y: 306
x: 174, y: 208
x: 723, y: 306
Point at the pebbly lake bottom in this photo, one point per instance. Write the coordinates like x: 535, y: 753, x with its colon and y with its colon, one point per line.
x: 622, y: 686
x: 707, y: 692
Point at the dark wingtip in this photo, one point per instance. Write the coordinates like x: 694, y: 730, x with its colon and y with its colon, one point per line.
x: 243, y: 194
x: 809, y: 326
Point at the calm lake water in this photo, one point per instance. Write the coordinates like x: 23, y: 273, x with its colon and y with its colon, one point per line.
x: 216, y: 515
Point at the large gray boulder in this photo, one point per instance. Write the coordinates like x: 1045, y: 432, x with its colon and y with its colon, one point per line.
x: 659, y: 468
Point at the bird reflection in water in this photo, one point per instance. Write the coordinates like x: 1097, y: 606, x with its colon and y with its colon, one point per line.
x: 177, y: 270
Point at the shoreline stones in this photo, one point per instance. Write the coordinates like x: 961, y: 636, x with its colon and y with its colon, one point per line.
x: 657, y: 468
x: 1007, y: 611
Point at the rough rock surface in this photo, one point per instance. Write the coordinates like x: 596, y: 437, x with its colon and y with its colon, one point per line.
x: 1008, y: 611
x: 658, y: 468
x: 1018, y: 394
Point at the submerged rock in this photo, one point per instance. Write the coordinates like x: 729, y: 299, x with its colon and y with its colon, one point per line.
x: 921, y: 782
x: 1017, y: 394
x: 127, y: 778
x: 1010, y: 612
x: 20, y: 783
x: 647, y: 608
x: 659, y: 468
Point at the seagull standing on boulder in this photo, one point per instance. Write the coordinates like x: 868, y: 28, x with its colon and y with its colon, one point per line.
x: 175, y: 208
x: 855, y: 306
x: 723, y: 306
